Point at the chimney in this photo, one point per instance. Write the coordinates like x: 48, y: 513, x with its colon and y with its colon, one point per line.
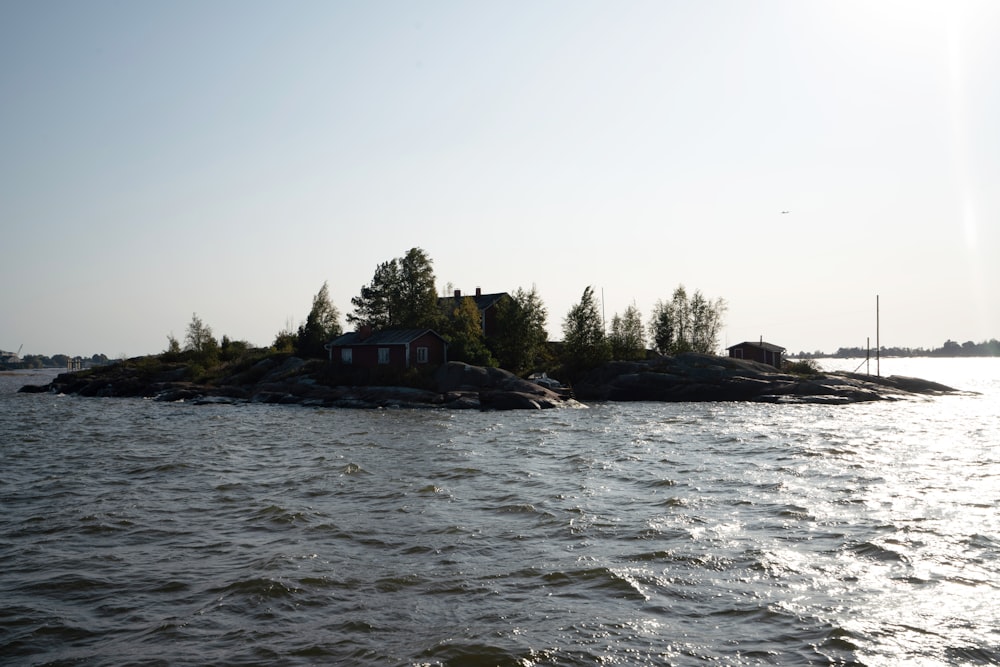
x: 479, y: 291
x: 364, y: 332
x: 458, y: 294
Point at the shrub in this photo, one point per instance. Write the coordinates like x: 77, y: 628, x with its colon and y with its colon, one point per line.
x: 806, y: 367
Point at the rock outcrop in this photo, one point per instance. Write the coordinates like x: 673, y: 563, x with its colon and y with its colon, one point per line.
x: 700, y: 377
x: 685, y: 377
x: 296, y: 381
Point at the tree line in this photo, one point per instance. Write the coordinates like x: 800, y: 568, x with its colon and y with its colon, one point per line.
x: 403, y: 294
x: 950, y: 348
x: 55, y: 361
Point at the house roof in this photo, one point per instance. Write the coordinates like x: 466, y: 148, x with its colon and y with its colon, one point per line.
x: 761, y: 345
x: 483, y: 301
x: 383, y: 337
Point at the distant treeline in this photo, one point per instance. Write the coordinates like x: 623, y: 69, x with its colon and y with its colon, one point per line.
x: 990, y: 348
x: 55, y: 361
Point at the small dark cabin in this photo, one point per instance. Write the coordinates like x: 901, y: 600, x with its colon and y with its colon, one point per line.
x: 765, y: 353
x: 396, y: 348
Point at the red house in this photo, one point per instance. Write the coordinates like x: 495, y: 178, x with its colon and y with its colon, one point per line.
x: 765, y: 353
x: 394, y: 348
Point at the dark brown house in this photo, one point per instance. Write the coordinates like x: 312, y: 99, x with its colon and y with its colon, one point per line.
x: 765, y: 353
x: 392, y: 348
x: 486, y: 303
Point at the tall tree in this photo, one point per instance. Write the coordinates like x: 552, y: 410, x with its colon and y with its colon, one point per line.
x: 401, y: 295
x: 520, y: 334
x: 706, y: 322
x: 375, y: 306
x: 661, y: 328
x: 321, y: 325
x: 584, y: 344
x: 418, y: 302
x: 682, y: 320
x: 628, y: 337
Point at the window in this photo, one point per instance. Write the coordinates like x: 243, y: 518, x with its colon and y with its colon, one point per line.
x: 383, y: 355
x: 422, y: 355
x: 346, y: 356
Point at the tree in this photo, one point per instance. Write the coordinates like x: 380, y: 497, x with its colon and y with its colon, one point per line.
x: 231, y: 350
x: 706, y: 322
x: 628, y: 337
x: 375, y: 305
x: 418, y: 301
x: 465, y: 335
x: 286, y: 339
x: 684, y: 324
x: 584, y: 344
x: 321, y: 325
x: 173, y: 347
x: 199, y: 336
x: 199, y: 340
x: 681, y: 312
x: 661, y: 328
x: 401, y: 294
x: 520, y: 336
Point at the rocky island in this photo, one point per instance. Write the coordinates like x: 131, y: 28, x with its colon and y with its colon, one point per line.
x: 455, y: 385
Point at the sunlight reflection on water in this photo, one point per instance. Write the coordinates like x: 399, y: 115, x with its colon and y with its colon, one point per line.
x: 625, y: 534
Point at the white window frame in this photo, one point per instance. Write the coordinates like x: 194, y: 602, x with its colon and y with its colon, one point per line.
x: 383, y: 355
x: 423, y: 355
x: 347, y: 355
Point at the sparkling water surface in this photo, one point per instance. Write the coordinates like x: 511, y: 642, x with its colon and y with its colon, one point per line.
x: 645, y: 533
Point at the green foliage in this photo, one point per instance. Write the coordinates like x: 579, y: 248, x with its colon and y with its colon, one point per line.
x: 804, y: 367
x: 418, y: 296
x: 321, y: 326
x: 519, y: 341
x: 464, y: 332
x: 687, y: 324
x: 376, y: 304
x: 400, y: 295
x: 173, y: 346
x: 233, y: 350
x: 584, y: 344
x: 628, y: 337
x: 285, y: 342
x: 199, y: 340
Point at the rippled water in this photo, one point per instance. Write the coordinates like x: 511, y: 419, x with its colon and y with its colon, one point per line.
x: 661, y: 534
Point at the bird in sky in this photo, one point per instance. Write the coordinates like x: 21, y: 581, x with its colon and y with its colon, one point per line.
x: 784, y: 212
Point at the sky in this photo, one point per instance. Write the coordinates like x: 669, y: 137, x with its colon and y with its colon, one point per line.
x: 799, y: 159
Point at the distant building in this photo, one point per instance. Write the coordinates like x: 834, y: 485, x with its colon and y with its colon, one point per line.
x: 392, y: 348
x: 486, y: 303
x: 765, y: 353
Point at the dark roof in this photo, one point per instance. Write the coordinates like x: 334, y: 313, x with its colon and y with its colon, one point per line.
x: 383, y: 337
x: 483, y: 301
x: 761, y: 345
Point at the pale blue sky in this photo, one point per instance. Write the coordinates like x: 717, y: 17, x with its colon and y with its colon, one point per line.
x: 163, y: 158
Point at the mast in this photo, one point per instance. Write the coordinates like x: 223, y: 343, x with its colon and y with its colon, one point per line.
x: 878, y: 351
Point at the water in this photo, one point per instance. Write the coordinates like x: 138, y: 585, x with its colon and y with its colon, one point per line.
x: 657, y: 534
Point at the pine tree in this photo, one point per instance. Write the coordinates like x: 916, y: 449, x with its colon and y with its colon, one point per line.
x: 375, y: 305
x: 321, y: 325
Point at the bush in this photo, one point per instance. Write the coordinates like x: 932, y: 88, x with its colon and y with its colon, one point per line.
x: 806, y: 367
